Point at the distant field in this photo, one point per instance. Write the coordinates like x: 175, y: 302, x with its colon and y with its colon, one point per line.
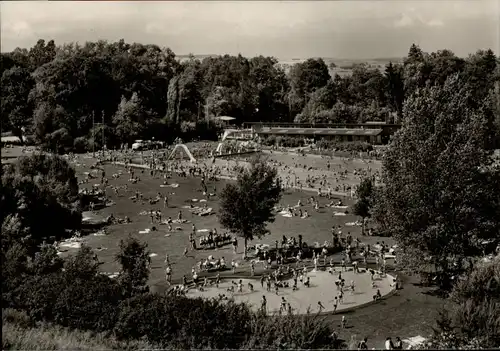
x: 343, y: 65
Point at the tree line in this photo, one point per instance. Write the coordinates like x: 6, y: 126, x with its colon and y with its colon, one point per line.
x: 143, y: 91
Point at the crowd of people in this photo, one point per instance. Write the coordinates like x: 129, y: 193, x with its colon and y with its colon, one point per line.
x: 278, y: 275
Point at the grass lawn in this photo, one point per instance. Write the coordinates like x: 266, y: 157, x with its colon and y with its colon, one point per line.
x: 316, y: 228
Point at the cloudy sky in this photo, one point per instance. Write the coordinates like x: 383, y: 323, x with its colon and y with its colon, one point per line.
x: 285, y: 29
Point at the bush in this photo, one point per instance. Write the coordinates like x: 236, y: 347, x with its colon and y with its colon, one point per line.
x: 88, y: 304
x: 325, y: 144
x: 269, y: 140
x: 13, y: 316
x: 472, y: 319
x: 210, y: 323
x: 39, y: 293
x: 355, y: 146
x: 291, y: 332
x: 184, y: 323
x: 285, y: 141
x: 14, y: 270
x: 146, y: 315
x: 81, y: 145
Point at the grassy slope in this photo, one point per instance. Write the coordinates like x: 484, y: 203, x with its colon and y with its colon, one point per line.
x: 17, y: 335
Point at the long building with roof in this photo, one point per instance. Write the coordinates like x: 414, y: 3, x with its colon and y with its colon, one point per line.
x: 375, y: 133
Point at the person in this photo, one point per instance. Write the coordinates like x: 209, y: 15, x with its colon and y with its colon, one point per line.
x: 217, y: 280
x: 398, y: 345
x: 344, y: 322
x: 388, y: 344
x: 362, y: 344
x: 235, y: 244
x: 283, y: 304
x: 320, y: 306
x: 263, y: 304
x: 168, y: 274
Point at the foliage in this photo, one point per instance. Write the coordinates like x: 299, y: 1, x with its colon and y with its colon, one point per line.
x: 16, y: 85
x: 36, y: 188
x: 440, y: 192
x: 363, y: 205
x: 247, y: 206
x: 14, y: 270
x: 134, y: 259
x: 143, y: 91
x: 46, y: 261
x: 473, y: 319
x: 291, y: 332
x: 88, y: 304
x: 130, y: 119
x: 18, y: 333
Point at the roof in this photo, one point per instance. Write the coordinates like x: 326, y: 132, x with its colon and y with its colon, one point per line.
x: 320, y: 131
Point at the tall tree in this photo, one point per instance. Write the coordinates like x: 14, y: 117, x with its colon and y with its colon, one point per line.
x: 134, y: 259
x: 306, y: 77
x: 130, y: 119
x: 395, y: 88
x: 440, y: 189
x: 247, y: 206
x: 363, y: 205
x: 16, y: 109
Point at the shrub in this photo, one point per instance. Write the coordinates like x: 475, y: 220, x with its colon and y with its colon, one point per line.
x: 355, y: 146
x: 38, y: 294
x: 289, y: 141
x: 325, y: 144
x: 88, y: 304
x: 14, y: 269
x: 472, y: 319
x: 81, y: 145
x: 215, y: 324
x: 291, y: 332
x: 146, y: 315
x: 17, y: 317
x: 81, y: 266
x: 46, y: 261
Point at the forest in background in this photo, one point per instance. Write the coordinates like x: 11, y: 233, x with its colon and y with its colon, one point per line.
x: 53, y: 92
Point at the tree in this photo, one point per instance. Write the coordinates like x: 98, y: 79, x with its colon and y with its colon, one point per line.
x: 440, y: 189
x: 395, y: 87
x: 134, y: 259
x: 33, y: 189
x: 306, y: 77
x: 130, y: 119
x: 363, y: 206
x: 472, y: 319
x: 16, y: 109
x: 247, y: 206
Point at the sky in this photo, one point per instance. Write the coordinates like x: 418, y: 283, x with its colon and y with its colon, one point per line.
x: 349, y: 29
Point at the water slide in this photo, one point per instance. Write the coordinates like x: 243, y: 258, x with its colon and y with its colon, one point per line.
x: 219, y: 148
x: 186, y: 150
